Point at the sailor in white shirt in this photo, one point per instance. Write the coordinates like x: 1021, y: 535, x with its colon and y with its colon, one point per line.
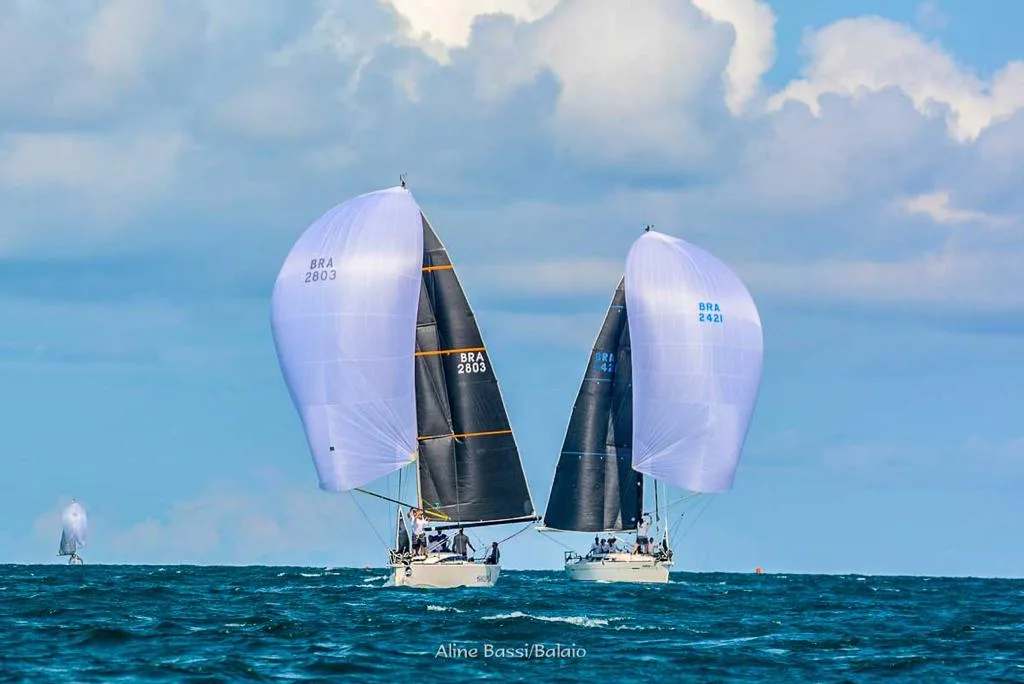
x: 596, y: 548
x: 643, y: 529
x: 419, y: 540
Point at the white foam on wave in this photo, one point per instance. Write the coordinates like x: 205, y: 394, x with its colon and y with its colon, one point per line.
x: 639, y: 628
x: 715, y: 643
x: 444, y: 609
x: 577, y: 620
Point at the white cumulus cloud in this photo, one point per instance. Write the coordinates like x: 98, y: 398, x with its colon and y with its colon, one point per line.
x: 440, y: 25
x: 753, y: 50
x: 854, y: 56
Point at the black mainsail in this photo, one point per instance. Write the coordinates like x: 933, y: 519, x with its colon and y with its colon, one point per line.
x: 401, y: 535
x: 68, y: 547
x: 469, y: 467
x: 595, y: 487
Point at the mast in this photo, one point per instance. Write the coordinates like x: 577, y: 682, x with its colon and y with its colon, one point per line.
x: 595, y: 488
x: 668, y: 526
x: 468, y: 468
x: 657, y: 508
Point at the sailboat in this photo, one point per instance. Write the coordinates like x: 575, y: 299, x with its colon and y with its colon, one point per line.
x: 386, y: 365
x: 667, y: 396
x: 74, y: 533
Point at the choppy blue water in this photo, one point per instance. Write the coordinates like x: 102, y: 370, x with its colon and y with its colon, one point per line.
x: 128, y: 624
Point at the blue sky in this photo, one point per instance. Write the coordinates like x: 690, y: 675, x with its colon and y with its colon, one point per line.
x: 858, y: 163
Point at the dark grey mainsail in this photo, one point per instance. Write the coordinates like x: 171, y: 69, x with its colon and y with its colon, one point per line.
x: 469, y: 467
x: 401, y: 534
x: 595, y: 487
x: 68, y: 547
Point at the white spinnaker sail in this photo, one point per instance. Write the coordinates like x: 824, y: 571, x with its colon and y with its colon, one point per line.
x: 76, y: 528
x: 343, y: 314
x: 697, y: 353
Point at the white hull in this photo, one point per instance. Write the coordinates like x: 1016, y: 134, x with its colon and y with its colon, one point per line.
x: 618, y: 567
x: 444, y: 571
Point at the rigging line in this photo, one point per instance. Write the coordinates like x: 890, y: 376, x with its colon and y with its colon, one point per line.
x: 552, y: 538
x: 480, y: 542
x: 675, y: 527
x: 369, y: 522
x: 428, y: 512
x: 681, y: 499
x: 516, y: 534
x: 699, y: 514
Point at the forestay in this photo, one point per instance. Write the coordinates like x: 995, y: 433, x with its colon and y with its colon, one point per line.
x: 344, y: 321
x: 697, y: 354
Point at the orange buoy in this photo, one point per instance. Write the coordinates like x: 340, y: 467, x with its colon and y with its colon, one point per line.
x: 757, y: 570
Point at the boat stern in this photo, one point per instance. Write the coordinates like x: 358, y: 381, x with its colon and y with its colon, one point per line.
x: 445, y: 574
x: 618, y: 567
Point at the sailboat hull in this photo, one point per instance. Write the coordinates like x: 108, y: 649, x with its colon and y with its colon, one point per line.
x: 619, y: 567
x: 442, y: 572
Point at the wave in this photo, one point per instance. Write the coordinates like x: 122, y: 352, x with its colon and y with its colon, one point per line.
x: 578, y: 620
x: 444, y: 609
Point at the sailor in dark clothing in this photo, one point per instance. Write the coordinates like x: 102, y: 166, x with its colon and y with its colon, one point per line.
x: 494, y: 556
x: 459, y: 543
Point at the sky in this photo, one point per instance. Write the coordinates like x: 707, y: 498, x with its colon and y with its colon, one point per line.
x: 858, y: 164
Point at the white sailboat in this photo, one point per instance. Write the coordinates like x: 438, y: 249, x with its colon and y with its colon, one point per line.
x: 668, y: 396
x: 75, y: 532
x: 387, y: 368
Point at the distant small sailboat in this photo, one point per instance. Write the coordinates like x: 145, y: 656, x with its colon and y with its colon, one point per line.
x: 668, y: 393
x: 74, y: 534
x: 385, y: 363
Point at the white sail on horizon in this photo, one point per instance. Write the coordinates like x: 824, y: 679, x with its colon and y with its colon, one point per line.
x: 697, y: 354
x: 75, y: 529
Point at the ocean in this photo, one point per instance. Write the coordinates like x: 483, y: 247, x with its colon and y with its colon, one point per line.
x: 97, y: 623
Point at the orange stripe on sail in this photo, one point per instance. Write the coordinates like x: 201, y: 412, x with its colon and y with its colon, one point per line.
x: 470, y: 434
x: 445, y: 267
x: 450, y: 351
